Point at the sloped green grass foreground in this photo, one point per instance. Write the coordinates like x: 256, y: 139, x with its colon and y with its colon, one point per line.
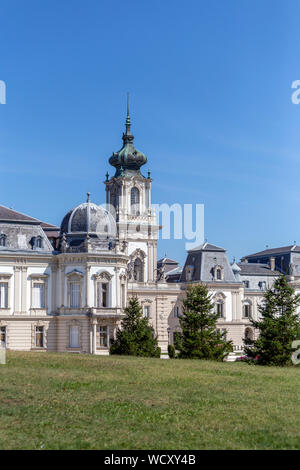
x: 64, y: 401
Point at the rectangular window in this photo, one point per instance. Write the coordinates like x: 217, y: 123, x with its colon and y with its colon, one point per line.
x: 123, y: 300
x: 175, y: 336
x: 38, y: 295
x: 39, y: 336
x: 246, y: 284
x: 147, y: 311
x: 103, y: 336
x: 176, y: 312
x: 246, y: 311
x: 74, y: 336
x: 102, y: 294
x: 3, y: 294
x: 75, y: 295
x: 220, y: 309
x: 3, y: 336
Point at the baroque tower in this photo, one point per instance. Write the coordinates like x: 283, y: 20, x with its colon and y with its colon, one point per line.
x: 128, y: 197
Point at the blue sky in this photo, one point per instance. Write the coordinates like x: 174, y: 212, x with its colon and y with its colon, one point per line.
x: 210, y: 85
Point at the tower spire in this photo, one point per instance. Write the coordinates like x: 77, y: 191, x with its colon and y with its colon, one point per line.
x: 128, y: 123
x: 128, y: 159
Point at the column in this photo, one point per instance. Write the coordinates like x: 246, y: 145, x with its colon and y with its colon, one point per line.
x: 62, y: 286
x: 94, y: 336
x: 53, y: 287
x: 149, y: 262
x: 24, y: 289
x: 118, y: 303
x: 91, y: 338
x: 87, y: 286
x: 16, y: 307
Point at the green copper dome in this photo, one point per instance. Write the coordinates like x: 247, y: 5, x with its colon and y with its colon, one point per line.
x: 128, y: 160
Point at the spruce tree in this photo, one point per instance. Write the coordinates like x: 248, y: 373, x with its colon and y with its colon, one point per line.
x: 135, y: 337
x: 278, y: 327
x: 200, y: 337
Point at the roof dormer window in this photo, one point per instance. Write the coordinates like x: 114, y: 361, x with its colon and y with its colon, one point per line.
x: 3, y: 239
x: 218, y: 273
x: 39, y: 242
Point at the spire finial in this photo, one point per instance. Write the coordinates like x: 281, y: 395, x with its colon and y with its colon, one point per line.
x: 88, y: 196
x: 128, y: 123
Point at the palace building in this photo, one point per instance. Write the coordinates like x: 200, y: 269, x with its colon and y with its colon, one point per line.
x: 65, y: 288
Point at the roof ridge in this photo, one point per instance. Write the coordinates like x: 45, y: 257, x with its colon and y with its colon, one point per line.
x: 18, y: 212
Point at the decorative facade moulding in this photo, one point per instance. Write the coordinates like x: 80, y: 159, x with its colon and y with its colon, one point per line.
x: 38, y: 276
x: 75, y: 273
x: 103, y: 275
x: 5, y: 275
x: 138, y: 253
x: 146, y: 301
x: 219, y: 296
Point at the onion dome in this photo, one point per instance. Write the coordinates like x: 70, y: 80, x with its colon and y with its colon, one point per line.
x: 88, y: 218
x: 128, y: 160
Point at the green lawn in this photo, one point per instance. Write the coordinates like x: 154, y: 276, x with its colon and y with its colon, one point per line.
x: 64, y: 401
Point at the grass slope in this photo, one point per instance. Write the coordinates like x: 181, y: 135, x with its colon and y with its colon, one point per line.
x: 64, y: 401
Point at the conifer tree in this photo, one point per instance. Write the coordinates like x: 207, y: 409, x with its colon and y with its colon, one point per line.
x: 278, y: 327
x: 200, y: 337
x: 135, y: 337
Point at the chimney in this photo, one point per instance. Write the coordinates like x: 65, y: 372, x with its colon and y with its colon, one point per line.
x: 272, y: 263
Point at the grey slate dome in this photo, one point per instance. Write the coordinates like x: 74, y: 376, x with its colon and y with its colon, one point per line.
x: 88, y: 218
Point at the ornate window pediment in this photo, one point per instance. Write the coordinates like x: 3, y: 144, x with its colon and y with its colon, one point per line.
x: 38, y: 277
x: 5, y: 276
x: 75, y: 274
x: 103, y: 276
x: 138, y: 253
x: 219, y: 296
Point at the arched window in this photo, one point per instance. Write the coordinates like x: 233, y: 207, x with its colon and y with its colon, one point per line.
x: 135, y: 201
x: 39, y: 242
x: 249, y: 333
x: 116, y: 197
x: 138, y: 270
x: 3, y: 240
x: 217, y: 272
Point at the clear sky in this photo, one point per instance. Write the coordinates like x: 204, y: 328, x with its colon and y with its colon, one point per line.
x: 210, y: 85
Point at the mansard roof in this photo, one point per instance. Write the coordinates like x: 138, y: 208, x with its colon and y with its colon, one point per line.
x: 257, y: 269
x: 207, y: 247
x: 202, y: 262
x: 9, y: 215
x: 275, y: 251
x: 167, y: 261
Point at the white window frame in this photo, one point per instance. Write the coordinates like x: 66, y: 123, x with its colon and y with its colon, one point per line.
x: 3, y: 327
x: 147, y: 311
x: 99, y: 294
x: 102, y: 278
x: 39, y: 279
x: 4, y: 304
x: 99, y: 328
x: 72, y: 328
x: 43, y: 336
